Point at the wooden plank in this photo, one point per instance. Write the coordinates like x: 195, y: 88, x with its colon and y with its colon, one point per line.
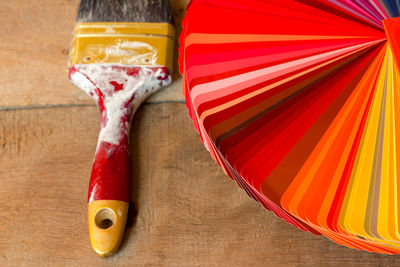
x: 35, y: 37
x: 188, y: 213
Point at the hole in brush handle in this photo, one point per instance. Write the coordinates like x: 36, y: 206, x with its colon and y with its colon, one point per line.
x: 105, y: 218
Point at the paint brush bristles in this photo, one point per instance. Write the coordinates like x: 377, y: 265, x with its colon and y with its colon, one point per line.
x: 124, y: 11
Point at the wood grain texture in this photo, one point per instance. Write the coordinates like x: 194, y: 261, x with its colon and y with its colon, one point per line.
x: 187, y: 212
x: 35, y: 38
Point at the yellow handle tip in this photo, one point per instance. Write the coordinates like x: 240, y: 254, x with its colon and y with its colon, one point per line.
x: 106, y: 220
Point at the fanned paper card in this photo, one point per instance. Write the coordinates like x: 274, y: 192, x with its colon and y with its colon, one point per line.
x: 299, y: 102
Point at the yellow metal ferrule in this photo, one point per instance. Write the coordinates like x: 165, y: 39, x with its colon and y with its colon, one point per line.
x: 128, y: 43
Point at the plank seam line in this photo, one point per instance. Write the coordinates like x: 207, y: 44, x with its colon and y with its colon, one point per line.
x: 12, y: 108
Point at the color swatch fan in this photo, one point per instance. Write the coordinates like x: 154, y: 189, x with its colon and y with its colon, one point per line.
x: 299, y: 102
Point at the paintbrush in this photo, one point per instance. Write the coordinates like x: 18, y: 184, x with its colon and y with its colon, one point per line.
x: 121, y: 54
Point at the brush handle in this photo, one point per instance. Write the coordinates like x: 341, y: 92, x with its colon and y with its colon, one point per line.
x: 111, y: 172
x: 118, y: 91
x: 109, y: 196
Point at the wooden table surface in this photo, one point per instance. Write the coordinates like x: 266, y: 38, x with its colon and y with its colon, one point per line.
x: 186, y: 211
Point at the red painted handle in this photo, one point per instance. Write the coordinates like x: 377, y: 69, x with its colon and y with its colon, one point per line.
x: 118, y: 91
x: 111, y: 172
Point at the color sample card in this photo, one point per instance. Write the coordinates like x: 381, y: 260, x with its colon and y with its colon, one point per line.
x: 298, y: 101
